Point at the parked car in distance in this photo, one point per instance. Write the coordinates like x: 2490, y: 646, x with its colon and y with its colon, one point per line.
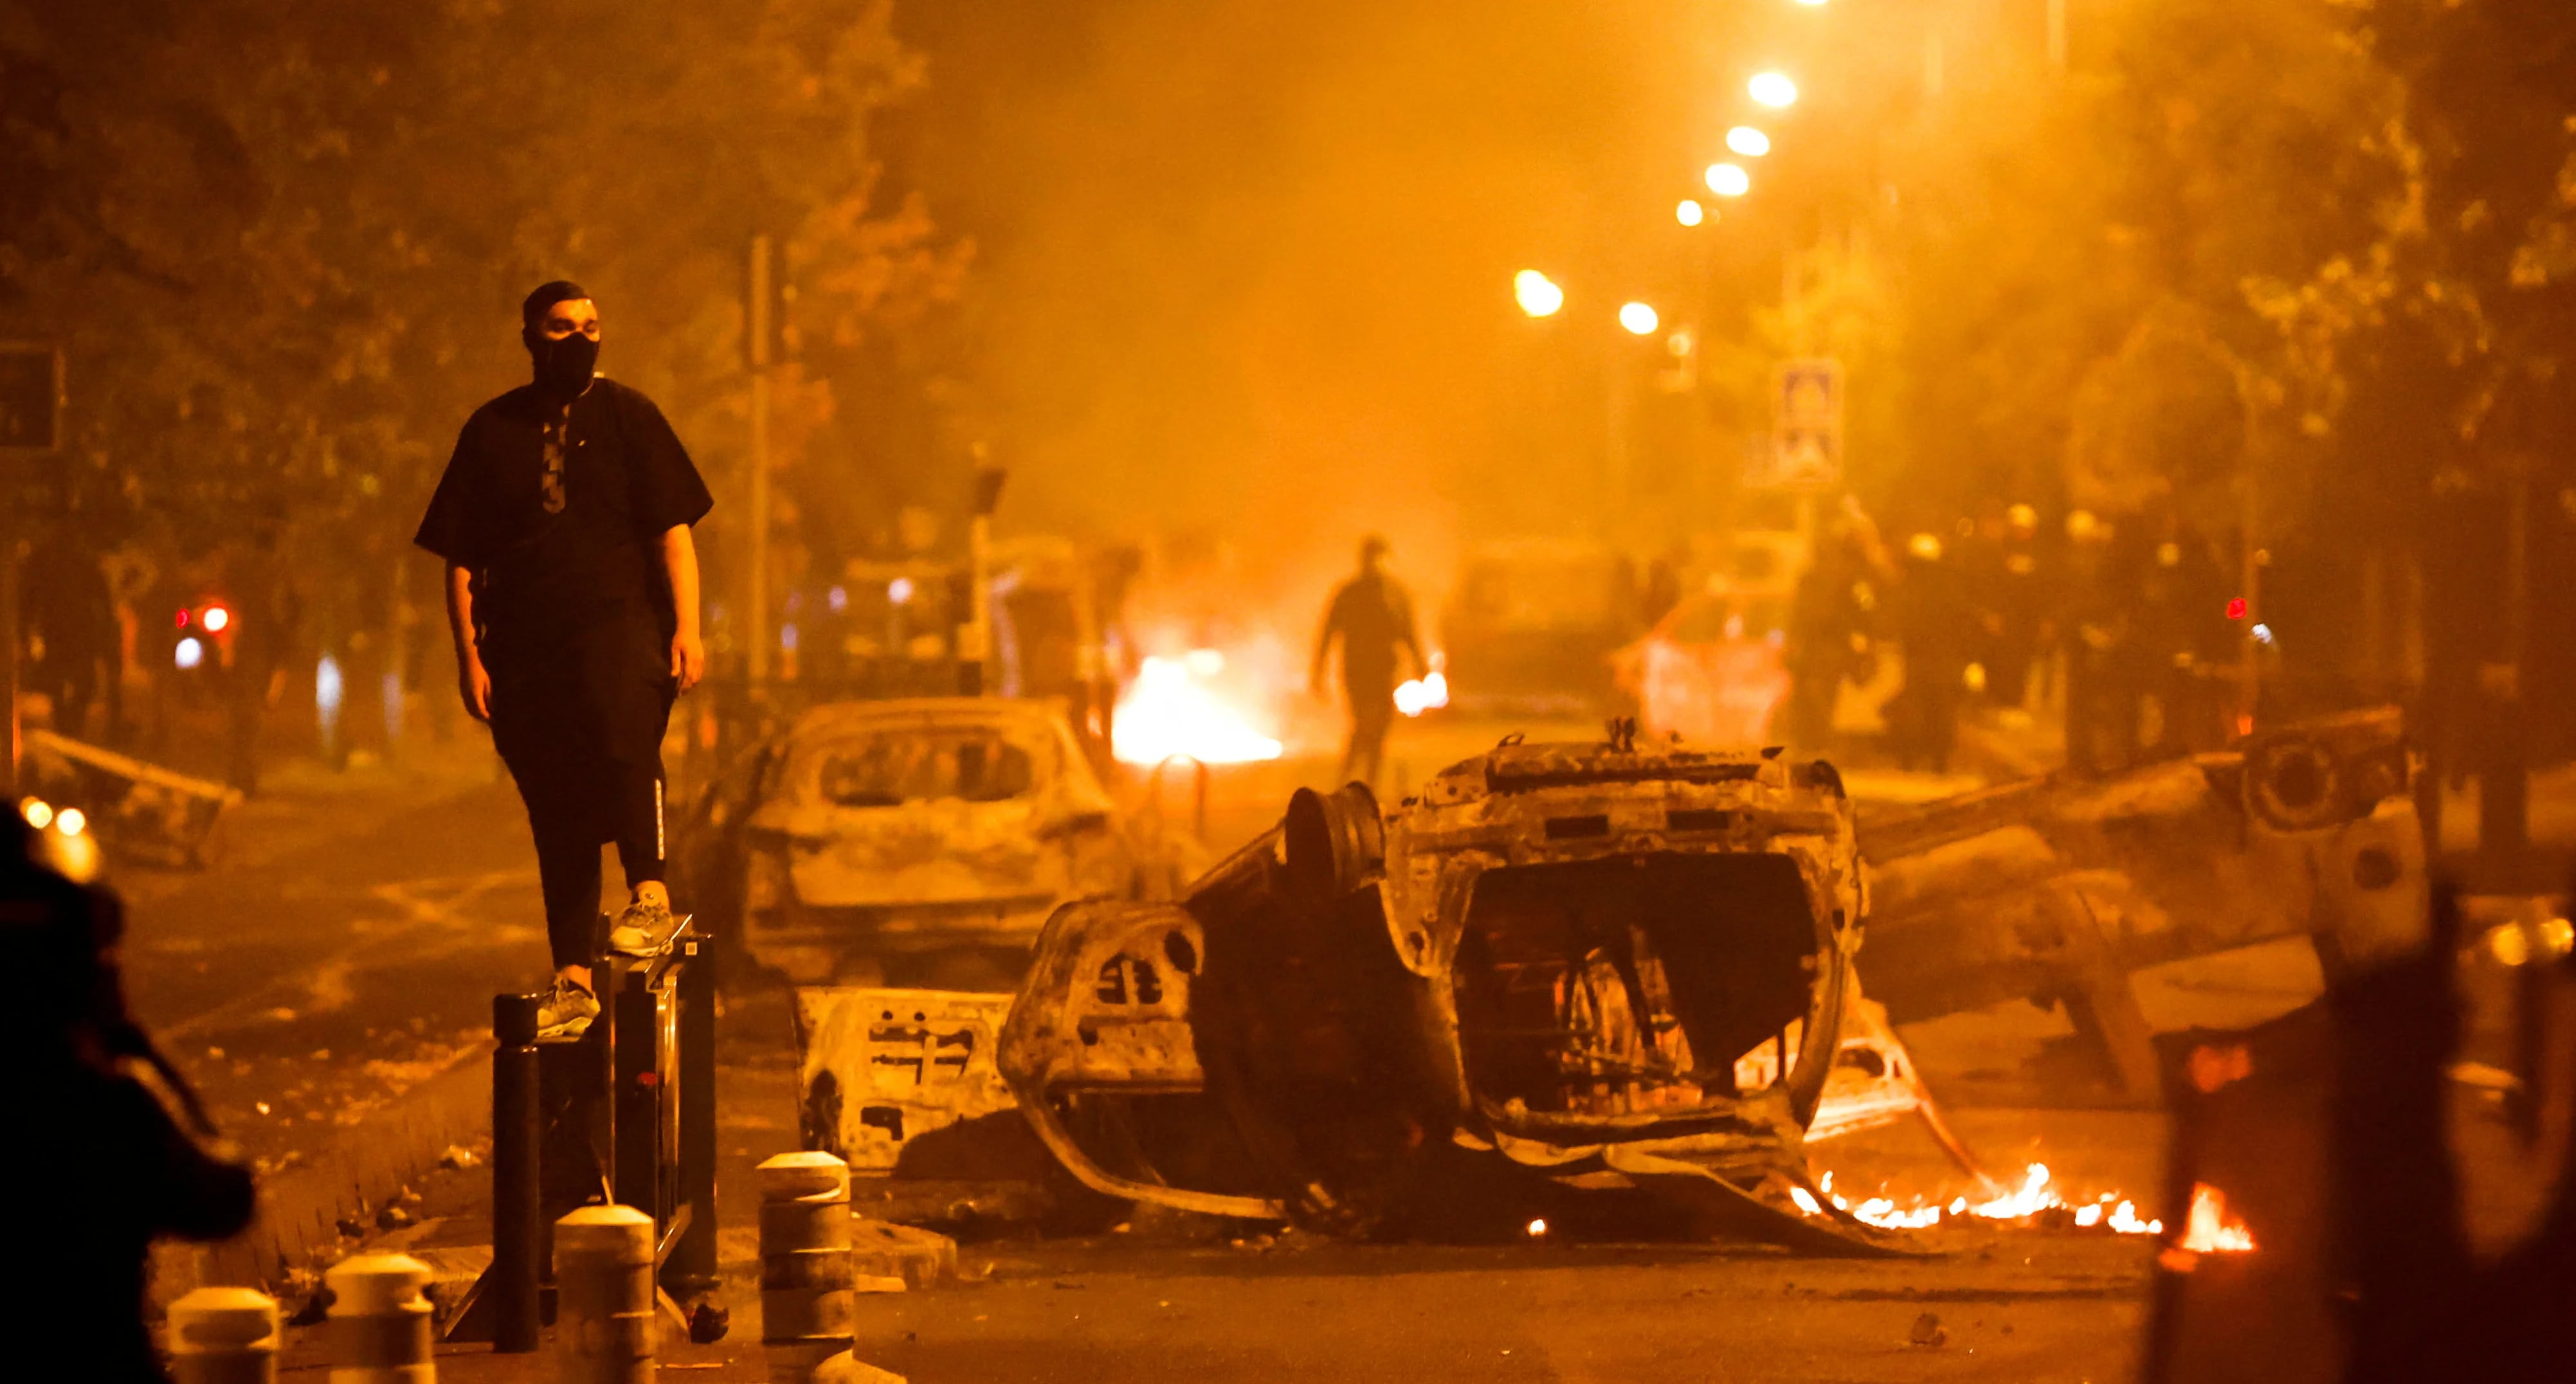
x: 1711, y: 671
x: 1533, y: 624
x: 915, y: 842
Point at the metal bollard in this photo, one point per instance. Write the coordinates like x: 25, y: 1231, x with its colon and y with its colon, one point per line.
x: 224, y: 1336
x: 604, y: 1296
x: 805, y: 1304
x: 518, y: 1224
x: 379, y: 1321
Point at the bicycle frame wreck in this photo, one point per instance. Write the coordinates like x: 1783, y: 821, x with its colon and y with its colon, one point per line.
x: 1539, y: 981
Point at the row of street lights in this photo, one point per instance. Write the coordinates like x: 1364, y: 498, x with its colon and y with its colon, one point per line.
x: 1540, y: 296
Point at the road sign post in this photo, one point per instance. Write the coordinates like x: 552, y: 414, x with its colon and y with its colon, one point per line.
x: 1806, y: 426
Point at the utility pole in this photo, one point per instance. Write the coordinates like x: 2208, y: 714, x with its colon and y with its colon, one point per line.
x: 756, y: 636
x: 2504, y: 782
x: 975, y: 638
x: 31, y: 426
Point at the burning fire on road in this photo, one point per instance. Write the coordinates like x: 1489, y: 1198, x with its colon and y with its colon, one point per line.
x: 1173, y: 710
x: 2036, y: 1196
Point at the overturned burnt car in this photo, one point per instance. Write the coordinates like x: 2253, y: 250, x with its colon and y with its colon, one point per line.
x: 1529, y: 986
x: 1606, y: 986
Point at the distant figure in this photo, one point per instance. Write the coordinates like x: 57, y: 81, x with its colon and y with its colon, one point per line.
x: 1833, y: 616
x: 2011, y: 597
x: 67, y: 612
x: 572, y: 593
x: 1937, y: 627
x: 2185, y: 640
x: 1373, y: 618
x: 2101, y: 673
x: 96, y: 1166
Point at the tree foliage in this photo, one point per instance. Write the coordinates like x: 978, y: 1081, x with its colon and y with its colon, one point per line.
x: 283, y: 241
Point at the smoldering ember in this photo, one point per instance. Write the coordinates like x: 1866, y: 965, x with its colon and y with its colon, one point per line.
x: 844, y: 690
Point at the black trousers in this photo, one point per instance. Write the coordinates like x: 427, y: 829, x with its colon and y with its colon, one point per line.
x: 579, y: 722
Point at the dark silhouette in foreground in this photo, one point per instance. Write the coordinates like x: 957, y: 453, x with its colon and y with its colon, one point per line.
x: 2324, y: 1133
x: 97, y: 1166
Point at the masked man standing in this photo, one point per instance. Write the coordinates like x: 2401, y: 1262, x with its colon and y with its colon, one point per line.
x: 572, y: 593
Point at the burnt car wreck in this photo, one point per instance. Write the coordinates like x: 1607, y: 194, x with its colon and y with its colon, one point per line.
x: 1526, y: 993
x: 1611, y: 987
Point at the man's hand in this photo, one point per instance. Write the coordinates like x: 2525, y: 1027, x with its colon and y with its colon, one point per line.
x: 688, y: 659
x: 476, y: 686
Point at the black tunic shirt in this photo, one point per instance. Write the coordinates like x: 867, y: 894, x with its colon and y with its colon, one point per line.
x: 557, y: 514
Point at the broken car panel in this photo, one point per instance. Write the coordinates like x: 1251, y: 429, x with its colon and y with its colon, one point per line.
x: 2056, y: 888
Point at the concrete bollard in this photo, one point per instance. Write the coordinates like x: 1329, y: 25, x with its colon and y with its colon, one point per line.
x: 379, y: 1323
x: 224, y: 1336
x: 848, y: 1368
x: 805, y: 1304
x: 604, y: 1296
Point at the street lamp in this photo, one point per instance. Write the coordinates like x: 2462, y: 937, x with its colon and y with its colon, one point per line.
x: 1690, y: 212
x: 1639, y: 319
x: 1773, y: 89
x: 1537, y: 294
x: 1748, y: 141
x: 1729, y: 180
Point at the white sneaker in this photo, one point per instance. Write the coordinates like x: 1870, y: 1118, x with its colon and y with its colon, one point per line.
x: 641, y: 929
x: 566, y: 1010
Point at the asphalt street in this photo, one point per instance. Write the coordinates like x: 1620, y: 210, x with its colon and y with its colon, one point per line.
x: 328, y: 985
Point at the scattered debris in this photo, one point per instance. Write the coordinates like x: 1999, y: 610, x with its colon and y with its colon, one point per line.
x: 1928, y: 1331
x: 457, y: 1156
x: 911, y: 1257
x: 2055, y: 889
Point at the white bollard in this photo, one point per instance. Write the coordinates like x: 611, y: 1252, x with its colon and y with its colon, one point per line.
x: 604, y: 1296
x: 805, y: 1305
x: 380, y: 1321
x: 224, y: 1336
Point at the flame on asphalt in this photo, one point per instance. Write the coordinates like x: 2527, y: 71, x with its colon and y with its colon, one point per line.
x: 1172, y: 712
x: 2035, y: 1194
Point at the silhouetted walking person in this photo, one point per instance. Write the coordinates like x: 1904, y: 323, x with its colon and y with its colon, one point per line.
x: 1372, y: 616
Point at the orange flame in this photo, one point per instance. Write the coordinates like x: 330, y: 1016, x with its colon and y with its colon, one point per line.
x: 2210, y: 1230
x: 1170, y: 712
x: 2035, y: 1195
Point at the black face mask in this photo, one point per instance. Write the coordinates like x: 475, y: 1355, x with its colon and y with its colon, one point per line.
x: 564, y: 367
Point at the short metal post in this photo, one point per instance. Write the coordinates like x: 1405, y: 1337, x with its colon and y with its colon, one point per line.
x: 635, y: 1100
x: 691, y: 1271
x: 806, y: 1307
x: 604, y: 1279
x: 380, y: 1321
x: 1200, y: 797
x: 518, y: 1225
x: 224, y: 1336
